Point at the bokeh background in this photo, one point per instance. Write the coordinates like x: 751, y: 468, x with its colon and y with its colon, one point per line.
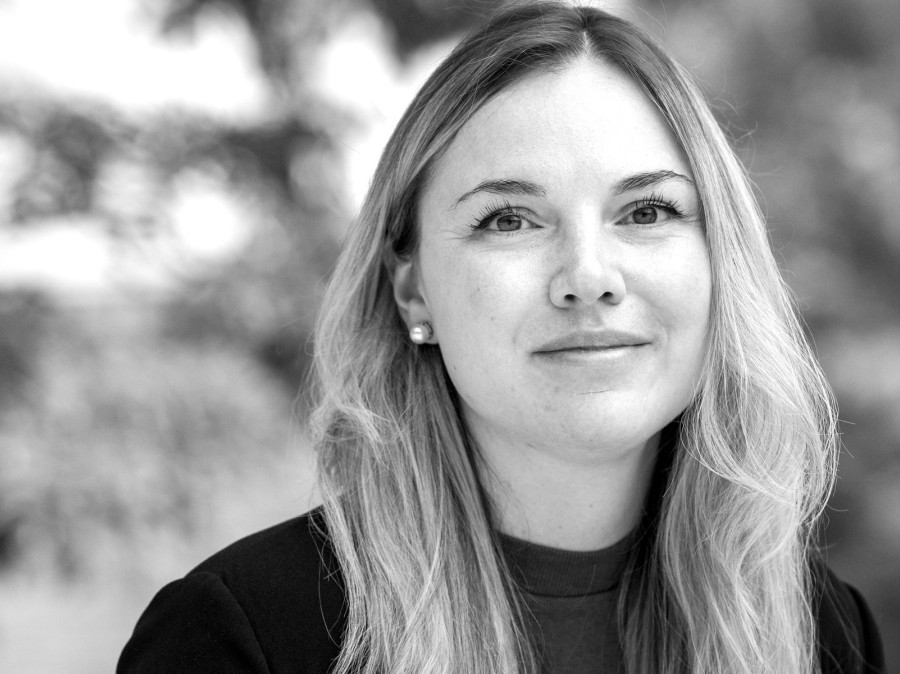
x: 175, y: 180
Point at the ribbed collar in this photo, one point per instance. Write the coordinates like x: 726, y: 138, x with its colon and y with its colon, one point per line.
x: 551, y: 572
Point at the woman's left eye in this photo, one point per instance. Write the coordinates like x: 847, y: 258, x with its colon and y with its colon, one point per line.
x: 509, y: 222
x: 645, y: 215
x: 653, y: 212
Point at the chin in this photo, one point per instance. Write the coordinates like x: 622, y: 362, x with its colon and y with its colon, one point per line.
x: 606, y: 440
x: 617, y: 429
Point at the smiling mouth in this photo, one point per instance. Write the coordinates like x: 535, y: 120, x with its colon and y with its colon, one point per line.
x: 576, y: 352
x: 592, y: 342
x: 611, y: 347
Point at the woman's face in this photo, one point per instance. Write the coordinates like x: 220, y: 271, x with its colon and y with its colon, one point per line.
x: 563, y: 265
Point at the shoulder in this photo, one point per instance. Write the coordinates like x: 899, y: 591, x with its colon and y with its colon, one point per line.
x: 292, y: 554
x: 272, y: 601
x: 849, y: 640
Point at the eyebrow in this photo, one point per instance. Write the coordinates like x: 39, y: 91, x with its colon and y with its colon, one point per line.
x: 641, y: 180
x: 527, y: 188
x: 518, y: 188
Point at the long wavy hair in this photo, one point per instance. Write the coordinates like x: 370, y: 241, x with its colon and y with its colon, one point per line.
x: 719, y: 580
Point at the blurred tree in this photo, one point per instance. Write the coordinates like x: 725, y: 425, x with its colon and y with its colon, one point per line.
x: 72, y: 395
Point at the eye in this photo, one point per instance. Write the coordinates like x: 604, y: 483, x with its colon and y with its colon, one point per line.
x: 645, y: 215
x: 653, y: 210
x: 503, y: 218
x: 509, y: 222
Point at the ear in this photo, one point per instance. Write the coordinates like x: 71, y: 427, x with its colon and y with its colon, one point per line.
x: 411, y: 302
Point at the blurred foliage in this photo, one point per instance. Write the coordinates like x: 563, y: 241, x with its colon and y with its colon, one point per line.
x: 117, y: 428
x: 114, y: 418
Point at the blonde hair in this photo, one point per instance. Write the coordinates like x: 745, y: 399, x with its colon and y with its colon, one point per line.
x: 719, y: 580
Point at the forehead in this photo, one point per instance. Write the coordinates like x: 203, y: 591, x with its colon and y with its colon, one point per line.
x: 585, y: 118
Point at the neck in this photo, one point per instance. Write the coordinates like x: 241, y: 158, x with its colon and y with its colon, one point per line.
x: 567, y: 499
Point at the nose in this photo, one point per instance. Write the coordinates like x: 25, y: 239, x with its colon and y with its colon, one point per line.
x: 589, y: 268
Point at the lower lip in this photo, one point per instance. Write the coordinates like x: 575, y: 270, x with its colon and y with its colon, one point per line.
x: 607, y: 354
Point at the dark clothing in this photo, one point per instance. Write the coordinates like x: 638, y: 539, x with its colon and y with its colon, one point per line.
x: 273, y: 602
x: 571, y: 599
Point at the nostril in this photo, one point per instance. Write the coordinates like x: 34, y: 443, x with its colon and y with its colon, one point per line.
x: 587, y: 280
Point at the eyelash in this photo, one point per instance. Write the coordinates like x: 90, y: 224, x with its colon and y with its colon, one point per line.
x: 658, y: 201
x: 495, y: 209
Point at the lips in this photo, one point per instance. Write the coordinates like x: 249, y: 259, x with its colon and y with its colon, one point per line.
x: 592, y: 340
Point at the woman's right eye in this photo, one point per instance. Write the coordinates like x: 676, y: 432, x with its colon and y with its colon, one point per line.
x: 503, y: 220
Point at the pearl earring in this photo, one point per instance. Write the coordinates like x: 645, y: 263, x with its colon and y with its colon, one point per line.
x: 420, y: 333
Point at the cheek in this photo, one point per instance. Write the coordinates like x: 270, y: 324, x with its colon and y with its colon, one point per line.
x: 470, y: 293
x: 458, y: 295
x: 698, y: 286
x: 480, y: 306
x: 692, y: 317
x: 679, y: 286
x: 685, y: 275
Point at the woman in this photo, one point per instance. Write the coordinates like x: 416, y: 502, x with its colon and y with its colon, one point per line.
x: 567, y: 418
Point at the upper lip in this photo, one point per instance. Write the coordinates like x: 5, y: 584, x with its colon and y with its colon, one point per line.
x: 593, y: 339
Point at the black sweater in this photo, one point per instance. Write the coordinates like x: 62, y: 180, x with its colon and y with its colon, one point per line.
x: 273, y: 602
